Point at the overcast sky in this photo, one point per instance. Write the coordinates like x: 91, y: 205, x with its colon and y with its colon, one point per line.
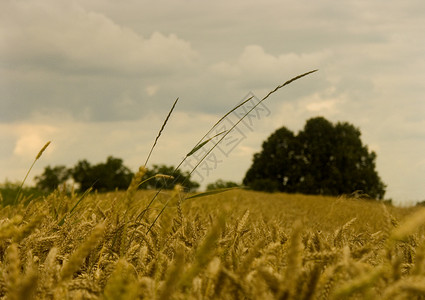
x: 97, y: 78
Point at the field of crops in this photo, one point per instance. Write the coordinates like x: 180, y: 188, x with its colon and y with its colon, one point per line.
x: 233, y: 245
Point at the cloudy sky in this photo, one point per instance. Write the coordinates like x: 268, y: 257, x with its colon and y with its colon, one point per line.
x: 98, y: 77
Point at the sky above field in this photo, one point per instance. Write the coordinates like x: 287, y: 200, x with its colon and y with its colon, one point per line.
x: 97, y: 78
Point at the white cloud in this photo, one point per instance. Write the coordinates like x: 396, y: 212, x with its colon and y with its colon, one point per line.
x: 65, y: 36
x: 324, y: 102
x: 255, y: 65
x: 152, y: 89
x: 27, y: 145
x: 28, y: 139
x: 327, y: 105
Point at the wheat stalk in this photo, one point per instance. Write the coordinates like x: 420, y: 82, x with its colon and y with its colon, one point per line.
x: 226, y: 133
x: 12, y: 271
x: 29, y: 170
x: 77, y: 258
x: 160, y: 131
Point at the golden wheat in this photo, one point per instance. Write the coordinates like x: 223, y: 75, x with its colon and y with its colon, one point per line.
x: 239, y: 245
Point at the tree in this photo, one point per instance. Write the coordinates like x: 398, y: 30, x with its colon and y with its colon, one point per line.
x: 221, y: 184
x: 317, y: 146
x: 103, y: 176
x: 164, y: 182
x: 265, y: 173
x: 323, y: 159
x: 52, y: 178
x: 82, y: 174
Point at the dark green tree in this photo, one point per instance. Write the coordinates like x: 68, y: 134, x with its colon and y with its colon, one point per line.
x: 82, y: 173
x: 103, y: 176
x: 275, y: 168
x: 51, y: 178
x: 357, y: 162
x: 323, y: 159
x: 162, y: 182
x: 317, y: 146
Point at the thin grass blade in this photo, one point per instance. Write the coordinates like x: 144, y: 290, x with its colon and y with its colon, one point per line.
x: 160, y: 131
x: 247, y: 113
x: 236, y: 124
x: 199, y: 146
x: 26, y: 176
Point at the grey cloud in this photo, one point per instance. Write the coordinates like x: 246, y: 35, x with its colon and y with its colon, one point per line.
x: 108, y: 62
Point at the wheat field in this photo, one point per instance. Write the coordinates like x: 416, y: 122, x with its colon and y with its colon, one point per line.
x: 234, y: 245
x: 228, y: 244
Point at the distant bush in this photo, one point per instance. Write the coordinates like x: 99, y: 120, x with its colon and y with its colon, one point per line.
x: 221, y: 184
x: 103, y: 177
x: 166, y: 182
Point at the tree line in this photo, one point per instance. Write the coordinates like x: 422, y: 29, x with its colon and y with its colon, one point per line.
x: 323, y: 158
x: 111, y: 175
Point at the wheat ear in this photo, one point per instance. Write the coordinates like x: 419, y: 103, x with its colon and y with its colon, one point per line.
x: 77, y: 258
x: 33, y: 163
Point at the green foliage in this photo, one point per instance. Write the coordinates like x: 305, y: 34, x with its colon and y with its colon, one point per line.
x: 51, y: 178
x: 9, y: 191
x: 322, y: 159
x: 166, y: 182
x: 109, y: 176
x: 221, y: 184
x: 103, y: 176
